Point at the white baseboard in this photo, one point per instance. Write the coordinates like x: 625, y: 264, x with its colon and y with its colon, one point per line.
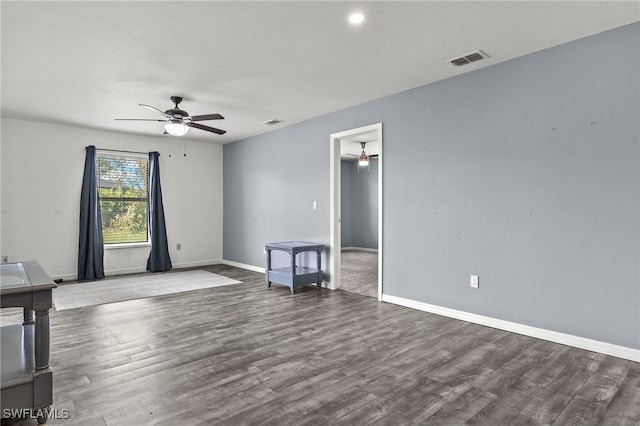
x: 243, y: 266
x: 180, y: 265
x: 539, y: 333
x: 139, y: 269
x: 360, y: 249
x: 65, y: 277
x: 197, y: 263
x: 107, y: 273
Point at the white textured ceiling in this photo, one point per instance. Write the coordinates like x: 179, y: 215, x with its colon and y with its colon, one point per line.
x: 86, y: 63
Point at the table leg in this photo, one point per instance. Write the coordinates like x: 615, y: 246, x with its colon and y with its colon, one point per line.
x: 319, y: 266
x: 42, y: 339
x: 266, y: 272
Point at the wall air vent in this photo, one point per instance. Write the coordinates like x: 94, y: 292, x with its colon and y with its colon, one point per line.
x: 468, y: 58
x: 273, y: 121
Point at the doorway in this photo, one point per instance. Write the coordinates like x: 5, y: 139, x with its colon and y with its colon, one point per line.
x: 340, y: 143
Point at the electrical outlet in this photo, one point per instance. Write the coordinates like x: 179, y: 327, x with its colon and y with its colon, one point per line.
x: 474, y: 281
x: 5, y: 259
x: 178, y: 246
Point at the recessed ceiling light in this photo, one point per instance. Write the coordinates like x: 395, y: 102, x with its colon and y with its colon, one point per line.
x: 356, y: 18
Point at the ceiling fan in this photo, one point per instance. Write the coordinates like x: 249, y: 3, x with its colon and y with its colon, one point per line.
x: 363, y: 158
x: 178, y: 121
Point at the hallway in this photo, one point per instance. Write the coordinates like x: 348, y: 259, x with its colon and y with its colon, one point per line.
x: 360, y: 272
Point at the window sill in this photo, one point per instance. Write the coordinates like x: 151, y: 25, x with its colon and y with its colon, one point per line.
x: 125, y: 245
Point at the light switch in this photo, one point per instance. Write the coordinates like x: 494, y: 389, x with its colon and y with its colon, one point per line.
x: 474, y: 281
x: 315, y: 205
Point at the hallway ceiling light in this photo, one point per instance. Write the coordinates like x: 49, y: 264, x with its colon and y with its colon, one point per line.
x: 363, y: 161
x: 363, y: 158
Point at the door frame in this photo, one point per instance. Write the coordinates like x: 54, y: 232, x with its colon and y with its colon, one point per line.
x: 335, y: 241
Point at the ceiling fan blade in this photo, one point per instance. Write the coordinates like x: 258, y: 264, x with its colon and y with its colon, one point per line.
x: 206, y: 128
x: 207, y: 117
x: 139, y: 119
x: 156, y: 110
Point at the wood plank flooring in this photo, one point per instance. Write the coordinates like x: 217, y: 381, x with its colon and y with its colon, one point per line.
x: 246, y: 354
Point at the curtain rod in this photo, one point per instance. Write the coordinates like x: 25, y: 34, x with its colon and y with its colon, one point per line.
x: 122, y: 150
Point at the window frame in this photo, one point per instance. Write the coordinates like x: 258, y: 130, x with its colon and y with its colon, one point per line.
x: 129, y: 156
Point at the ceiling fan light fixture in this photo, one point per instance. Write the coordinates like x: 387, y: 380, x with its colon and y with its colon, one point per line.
x: 176, y: 129
x: 363, y: 161
x: 356, y: 18
x: 178, y: 121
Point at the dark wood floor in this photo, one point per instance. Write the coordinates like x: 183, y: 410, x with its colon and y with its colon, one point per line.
x: 246, y: 354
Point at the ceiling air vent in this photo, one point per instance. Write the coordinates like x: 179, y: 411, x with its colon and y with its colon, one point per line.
x: 273, y: 121
x: 468, y: 58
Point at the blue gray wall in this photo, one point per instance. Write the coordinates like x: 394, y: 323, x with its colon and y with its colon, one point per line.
x: 526, y: 173
x: 271, y: 182
x: 359, y: 202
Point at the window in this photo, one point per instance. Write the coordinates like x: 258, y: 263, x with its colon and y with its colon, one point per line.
x: 123, y: 187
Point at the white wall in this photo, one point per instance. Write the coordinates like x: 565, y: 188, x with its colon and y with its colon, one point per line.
x: 42, y: 166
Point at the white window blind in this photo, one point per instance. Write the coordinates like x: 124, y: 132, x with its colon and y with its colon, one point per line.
x: 123, y: 188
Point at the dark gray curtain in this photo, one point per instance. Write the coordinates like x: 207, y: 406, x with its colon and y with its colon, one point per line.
x: 90, y: 248
x: 159, y: 259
